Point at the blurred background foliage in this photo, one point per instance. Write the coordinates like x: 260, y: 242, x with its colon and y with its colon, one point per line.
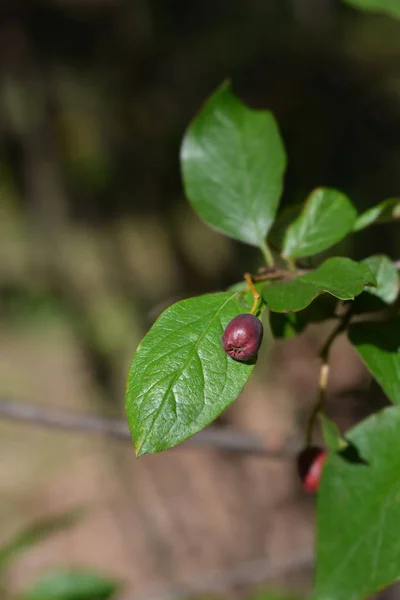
x: 96, y: 237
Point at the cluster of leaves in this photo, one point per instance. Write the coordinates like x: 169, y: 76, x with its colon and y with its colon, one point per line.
x: 233, y: 161
x: 56, y: 584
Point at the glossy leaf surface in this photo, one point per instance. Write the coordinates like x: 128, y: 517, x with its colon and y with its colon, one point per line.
x: 181, y: 379
x: 233, y: 161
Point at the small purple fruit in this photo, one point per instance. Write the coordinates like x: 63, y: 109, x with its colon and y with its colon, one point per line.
x: 242, y: 337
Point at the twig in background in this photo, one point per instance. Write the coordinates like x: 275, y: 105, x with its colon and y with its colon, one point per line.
x: 216, y: 438
x: 247, y: 573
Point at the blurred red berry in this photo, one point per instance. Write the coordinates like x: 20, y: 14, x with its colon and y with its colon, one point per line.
x: 310, y: 463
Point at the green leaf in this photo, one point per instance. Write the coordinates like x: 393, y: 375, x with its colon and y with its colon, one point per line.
x: 181, y: 379
x: 340, y: 277
x: 386, y: 211
x: 379, y: 346
x: 390, y: 7
x: 384, y: 269
x: 233, y: 160
x: 387, y: 289
x: 71, y: 585
x: 327, y: 217
x: 35, y: 533
x: 331, y: 434
x: 358, y: 515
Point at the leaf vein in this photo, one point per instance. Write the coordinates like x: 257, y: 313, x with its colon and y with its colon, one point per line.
x: 176, y: 377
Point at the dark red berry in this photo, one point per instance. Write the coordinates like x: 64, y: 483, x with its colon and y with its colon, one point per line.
x: 242, y: 337
x: 309, y: 465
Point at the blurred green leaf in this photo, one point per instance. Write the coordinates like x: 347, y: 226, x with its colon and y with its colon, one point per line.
x: 181, y: 379
x: 233, y: 161
x: 384, y: 269
x: 71, y: 585
x: 358, y: 546
x: 379, y: 346
x: 36, y: 533
x: 387, y: 289
x: 327, y: 217
x: 274, y: 595
x: 384, y: 212
x: 390, y: 7
x: 340, y: 277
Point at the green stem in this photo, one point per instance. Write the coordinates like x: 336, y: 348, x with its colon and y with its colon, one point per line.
x: 268, y: 257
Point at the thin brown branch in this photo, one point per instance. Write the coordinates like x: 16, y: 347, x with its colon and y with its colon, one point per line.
x: 212, y: 437
x: 340, y: 328
x: 273, y: 274
x: 324, y: 371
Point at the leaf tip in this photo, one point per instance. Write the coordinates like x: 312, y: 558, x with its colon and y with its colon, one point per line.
x: 144, y: 446
x: 139, y: 448
x: 226, y: 84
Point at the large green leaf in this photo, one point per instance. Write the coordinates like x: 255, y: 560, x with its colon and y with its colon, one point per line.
x: 379, y: 346
x: 71, y: 585
x: 181, y: 379
x: 341, y: 277
x: 233, y: 161
x: 358, y: 541
x: 386, y: 211
x: 327, y: 217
